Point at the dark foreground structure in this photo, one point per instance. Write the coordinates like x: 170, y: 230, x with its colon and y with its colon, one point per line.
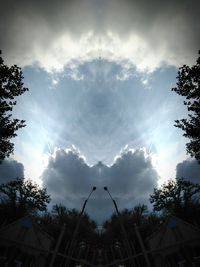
x: 24, y: 244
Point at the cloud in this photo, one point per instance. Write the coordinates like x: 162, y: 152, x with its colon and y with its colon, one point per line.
x: 130, y: 179
x: 189, y: 169
x: 135, y: 34
x: 132, y: 175
x: 11, y: 169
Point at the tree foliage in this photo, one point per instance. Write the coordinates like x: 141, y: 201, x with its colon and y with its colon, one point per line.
x: 11, y: 86
x: 139, y: 216
x: 59, y: 210
x: 23, y: 196
x: 85, y: 238
x: 188, y: 85
x: 176, y: 197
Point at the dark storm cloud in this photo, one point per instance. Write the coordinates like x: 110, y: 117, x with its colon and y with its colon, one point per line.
x: 67, y: 174
x: 132, y: 175
x: 189, y: 169
x: 145, y: 33
x: 11, y: 169
x: 69, y: 179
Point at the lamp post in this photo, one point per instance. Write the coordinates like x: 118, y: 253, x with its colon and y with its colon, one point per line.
x: 83, y: 208
x: 71, y: 247
x: 128, y: 248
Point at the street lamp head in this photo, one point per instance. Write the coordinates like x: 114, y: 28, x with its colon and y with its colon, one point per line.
x: 105, y: 188
x: 94, y: 188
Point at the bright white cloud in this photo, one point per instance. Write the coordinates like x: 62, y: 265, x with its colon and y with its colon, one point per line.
x: 141, y: 34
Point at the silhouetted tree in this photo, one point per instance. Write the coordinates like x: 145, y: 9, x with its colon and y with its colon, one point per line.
x: 59, y: 210
x: 11, y: 85
x: 137, y: 216
x: 83, y: 242
x: 20, y: 197
x: 176, y: 197
x: 114, y: 238
x: 139, y: 213
x: 188, y: 85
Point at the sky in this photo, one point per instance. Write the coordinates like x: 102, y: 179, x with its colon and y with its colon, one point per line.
x: 100, y: 110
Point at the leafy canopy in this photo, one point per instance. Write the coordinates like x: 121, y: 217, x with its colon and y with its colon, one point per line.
x: 11, y: 86
x: 24, y: 196
x: 175, y: 196
x: 188, y: 85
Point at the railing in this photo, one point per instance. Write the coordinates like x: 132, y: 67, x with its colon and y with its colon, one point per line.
x: 61, y: 258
